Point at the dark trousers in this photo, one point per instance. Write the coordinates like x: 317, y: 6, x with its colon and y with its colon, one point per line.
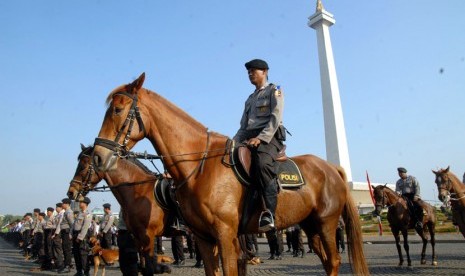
x: 66, y: 242
x: 177, y: 248
x: 340, y: 239
x: 47, y: 264
x: 106, y: 239
x: 296, y: 238
x: 57, y: 249
x: 127, y: 253
x: 38, y: 245
x: 190, y: 245
x: 159, y: 245
x: 275, y: 241
x: 251, y: 240
x: 80, y: 253
x: 415, y: 210
x: 26, y: 237
x: 263, y: 171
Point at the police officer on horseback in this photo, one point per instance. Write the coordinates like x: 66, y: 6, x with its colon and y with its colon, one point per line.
x: 261, y: 129
x: 408, y: 187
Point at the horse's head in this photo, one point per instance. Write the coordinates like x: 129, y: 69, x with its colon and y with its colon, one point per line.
x: 122, y: 126
x: 444, y: 183
x: 380, y: 198
x: 85, y: 177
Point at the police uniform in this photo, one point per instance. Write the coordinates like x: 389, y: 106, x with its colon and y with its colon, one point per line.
x: 262, y: 119
x: 57, y: 245
x: 127, y: 249
x: 37, y: 235
x: 26, y: 232
x: 65, y: 227
x: 105, y: 228
x: 410, y: 189
x: 340, y: 235
x: 49, y: 230
x: 38, y: 247
x: 80, y: 239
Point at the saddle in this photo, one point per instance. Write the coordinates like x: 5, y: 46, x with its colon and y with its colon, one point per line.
x: 166, y: 199
x: 289, y: 175
x: 240, y: 161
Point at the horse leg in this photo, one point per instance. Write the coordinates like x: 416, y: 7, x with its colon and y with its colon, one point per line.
x: 209, y: 254
x: 395, y: 232
x: 433, y: 242
x: 406, y: 247
x: 423, y: 249
x: 230, y: 250
x: 328, y: 239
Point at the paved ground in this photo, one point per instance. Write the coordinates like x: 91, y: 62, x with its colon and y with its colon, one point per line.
x: 380, y: 251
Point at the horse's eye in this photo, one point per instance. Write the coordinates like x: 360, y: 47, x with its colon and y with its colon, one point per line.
x: 118, y: 110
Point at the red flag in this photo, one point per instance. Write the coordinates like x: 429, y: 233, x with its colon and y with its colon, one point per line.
x: 380, y: 228
x: 370, y: 189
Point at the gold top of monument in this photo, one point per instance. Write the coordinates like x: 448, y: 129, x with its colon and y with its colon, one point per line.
x: 319, y: 6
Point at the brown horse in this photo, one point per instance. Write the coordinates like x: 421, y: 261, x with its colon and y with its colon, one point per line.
x: 450, y: 188
x: 132, y: 185
x: 400, y: 221
x: 209, y: 193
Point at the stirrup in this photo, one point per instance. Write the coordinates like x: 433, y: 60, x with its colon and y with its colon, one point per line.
x: 266, y: 223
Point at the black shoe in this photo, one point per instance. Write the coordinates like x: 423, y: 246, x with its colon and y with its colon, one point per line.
x: 78, y: 274
x: 198, y: 264
x: 295, y: 254
x: 160, y: 252
x: 191, y: 256
x: 266, y: 222
x: 272, y: 257
x: 62, y: 270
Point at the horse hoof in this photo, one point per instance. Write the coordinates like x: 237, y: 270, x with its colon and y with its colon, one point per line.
x: 435, y: 263
x: 400, y: 263
x: 423, y: 262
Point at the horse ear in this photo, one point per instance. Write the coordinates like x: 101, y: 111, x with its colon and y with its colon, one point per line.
x: 373, y: 187
x: 447, y: 170
x: 385, y: 185
x: 83, y: 147
x: 137, y: 84
x: 435, y: 172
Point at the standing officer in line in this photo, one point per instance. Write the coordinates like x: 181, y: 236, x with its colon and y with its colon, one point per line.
x: 261, y: 129
x: 26, y: 232
x: 409, y: 187
x: 80, y: 238
x: 57, y: 244
x: 48, y: 233
x: 105, y: 226
x: 65, y: 227
x: 36, y: 243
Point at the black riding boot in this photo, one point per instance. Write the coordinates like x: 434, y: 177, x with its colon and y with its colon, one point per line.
x: 267, y: 218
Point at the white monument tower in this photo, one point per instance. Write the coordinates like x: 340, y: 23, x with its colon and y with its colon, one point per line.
x: 337, y: 151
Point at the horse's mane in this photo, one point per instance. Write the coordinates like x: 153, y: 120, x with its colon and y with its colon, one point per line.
x: 141, y: 165
x: 157, y: 97
x: 85, y: 151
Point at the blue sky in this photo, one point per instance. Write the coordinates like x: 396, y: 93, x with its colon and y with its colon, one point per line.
x: 400, y: 66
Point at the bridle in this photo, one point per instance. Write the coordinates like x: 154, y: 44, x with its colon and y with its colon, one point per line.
x: 447, y: 186
x: 133, y: 115
x: 383, y: 202
x: 86, y: 183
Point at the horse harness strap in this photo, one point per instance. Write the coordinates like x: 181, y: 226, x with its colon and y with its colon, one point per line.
x: 199, y: 167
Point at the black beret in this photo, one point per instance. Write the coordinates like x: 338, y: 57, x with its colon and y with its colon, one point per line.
x: 36, y: 210
x: 86, y: 200
x: 42, y: 214
x: 66, y: 200
x: 59, y: 204
x: 256, y: 64
x: 401, y: 170
x: 50, y: 209
x: 107, y: 205
x: 28, y: 214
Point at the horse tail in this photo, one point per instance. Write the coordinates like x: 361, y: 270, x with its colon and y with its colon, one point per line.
x: 354, y: 233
